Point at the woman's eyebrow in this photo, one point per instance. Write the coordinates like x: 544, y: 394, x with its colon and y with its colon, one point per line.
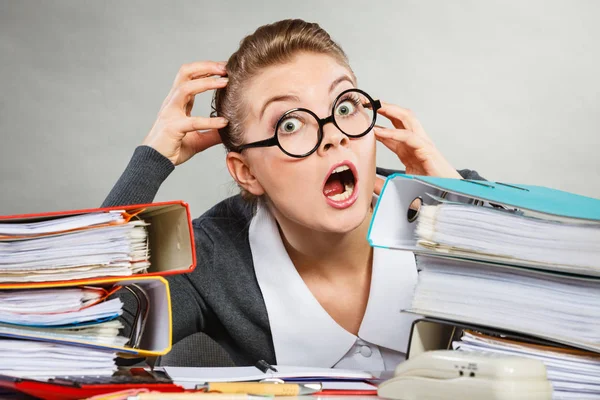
x: 344, y: 78
x: 287, y: 97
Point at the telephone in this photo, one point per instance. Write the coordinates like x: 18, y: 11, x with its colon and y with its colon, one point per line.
x: 450, y: 374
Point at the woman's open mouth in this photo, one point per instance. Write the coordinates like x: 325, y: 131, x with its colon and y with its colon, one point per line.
x: 340, y: 187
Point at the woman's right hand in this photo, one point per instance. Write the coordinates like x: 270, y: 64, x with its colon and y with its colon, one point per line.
x: 175, y: 133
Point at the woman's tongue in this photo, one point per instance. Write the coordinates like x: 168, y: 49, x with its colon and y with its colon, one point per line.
x: 333, y: 186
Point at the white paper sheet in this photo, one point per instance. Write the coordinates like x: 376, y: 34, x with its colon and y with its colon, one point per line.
x: 39, y: 359
x: 483, y: 230
x: 547, y: 305
x: 60, y: 224
x: 240, y: 374
x: 104, y: 333
x: 105, y: 309
x: 116, y: 250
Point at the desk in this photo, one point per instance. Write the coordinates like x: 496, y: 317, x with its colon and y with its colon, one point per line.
x: 192, y: 396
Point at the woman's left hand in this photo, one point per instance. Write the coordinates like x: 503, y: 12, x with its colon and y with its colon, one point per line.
x: 411, y: 144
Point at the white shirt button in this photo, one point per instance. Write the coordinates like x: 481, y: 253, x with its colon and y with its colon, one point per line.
x: 366, y: 351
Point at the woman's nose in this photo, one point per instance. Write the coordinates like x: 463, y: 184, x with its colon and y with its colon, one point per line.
x: 332, y: 137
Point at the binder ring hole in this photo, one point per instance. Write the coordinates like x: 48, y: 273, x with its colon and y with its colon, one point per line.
x: 413, y: 209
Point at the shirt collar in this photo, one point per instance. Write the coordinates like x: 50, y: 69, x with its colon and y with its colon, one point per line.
x: 304, y: 334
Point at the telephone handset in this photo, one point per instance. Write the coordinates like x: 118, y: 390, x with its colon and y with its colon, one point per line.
x: 450, y: 374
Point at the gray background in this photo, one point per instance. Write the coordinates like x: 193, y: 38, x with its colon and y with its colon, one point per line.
x: 509, y: 88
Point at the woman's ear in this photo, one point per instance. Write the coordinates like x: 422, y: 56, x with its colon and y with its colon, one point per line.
x: 240, y: 172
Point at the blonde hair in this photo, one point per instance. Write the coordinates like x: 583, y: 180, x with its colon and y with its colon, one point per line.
x: 269, y: 45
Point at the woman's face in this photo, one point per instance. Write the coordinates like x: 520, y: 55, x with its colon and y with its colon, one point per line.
x: 330, y: 190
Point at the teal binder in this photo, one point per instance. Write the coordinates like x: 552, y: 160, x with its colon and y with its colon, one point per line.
x: 527, y: 197
x: 392, y: 227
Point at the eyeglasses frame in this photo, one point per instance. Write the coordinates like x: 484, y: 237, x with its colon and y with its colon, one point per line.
x: 274, y: 141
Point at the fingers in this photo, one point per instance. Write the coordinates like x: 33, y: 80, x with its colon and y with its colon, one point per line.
x: 400, y: 135
x: 199, y: 69
x: 187, y: 90
x: 390, y: 144
x: 190, y: 124
x: 189, y: 106
x: 401, y: 118
x: 378, y: 185
x: 400, y: 141
x: 196, y: 142
x: 193, y: 71
x: 175, y: 133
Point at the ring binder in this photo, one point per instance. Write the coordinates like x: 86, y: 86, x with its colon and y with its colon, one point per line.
x: 155, y: 333
x: 169, y: 237
x: 143, y: 308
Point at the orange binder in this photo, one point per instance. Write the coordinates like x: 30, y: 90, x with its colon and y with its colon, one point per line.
x: 155, y: 331
x: 170, y: 236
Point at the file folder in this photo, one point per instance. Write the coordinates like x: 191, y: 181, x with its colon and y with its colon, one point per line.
x: 430, y: 333
x: 170, y: 235
x: 394, y: 219
x: 544, y: 200
x: 156, y: 334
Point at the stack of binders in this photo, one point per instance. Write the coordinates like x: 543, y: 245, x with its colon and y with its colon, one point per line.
x: 503, y: 268
x: 60, y: 279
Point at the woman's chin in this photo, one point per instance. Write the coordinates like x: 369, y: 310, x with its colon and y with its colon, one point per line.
x: 311, y: 215
x: 346, y: 220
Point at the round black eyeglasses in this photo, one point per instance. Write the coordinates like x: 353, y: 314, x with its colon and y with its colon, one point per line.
x: 299, y: 132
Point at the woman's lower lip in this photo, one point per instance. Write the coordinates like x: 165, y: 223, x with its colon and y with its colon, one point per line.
x: 344, y: 203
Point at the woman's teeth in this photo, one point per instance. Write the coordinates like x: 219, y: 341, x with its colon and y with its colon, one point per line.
x: 348, y: 189
x: 341, y: 168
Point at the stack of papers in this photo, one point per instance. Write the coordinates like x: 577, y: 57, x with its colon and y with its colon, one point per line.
x: 40, y: 301
x: 511, y: 237
x: 102, y: 333
x: 16, y: 309
x: 39, y: 360
x: 511, y: 258
x: 62, y: 224
x: 74, y: 247
x: 69, y: 315
x: 562, y: 308
x: 573, y: 374
x: 58, y: 274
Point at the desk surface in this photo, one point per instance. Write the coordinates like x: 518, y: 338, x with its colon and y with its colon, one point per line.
x: 343, y: 397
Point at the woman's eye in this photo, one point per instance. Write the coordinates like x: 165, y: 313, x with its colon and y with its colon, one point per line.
x: 345, y: 108
x: 290, y: 125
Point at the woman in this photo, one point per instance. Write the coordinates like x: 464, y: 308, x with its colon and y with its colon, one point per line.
x: 285, y: 272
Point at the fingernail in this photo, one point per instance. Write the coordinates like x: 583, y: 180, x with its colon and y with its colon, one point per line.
x: 222, y: 120
x: 222, y: 80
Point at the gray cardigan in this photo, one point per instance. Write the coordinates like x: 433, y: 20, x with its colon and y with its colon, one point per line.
x: 221, y: 297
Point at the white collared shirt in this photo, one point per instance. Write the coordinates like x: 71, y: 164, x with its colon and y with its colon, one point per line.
x: 304, y: 334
